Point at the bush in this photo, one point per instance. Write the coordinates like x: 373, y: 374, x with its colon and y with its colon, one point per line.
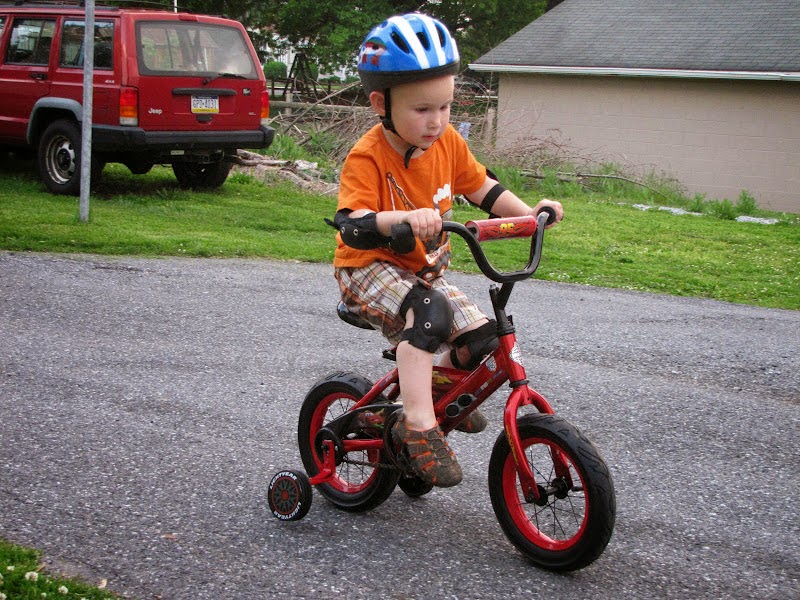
x: 275, y: 69
x: 284, y: 147
x: 698, y: 203
x: 746, y: 205
x: 722, y: 209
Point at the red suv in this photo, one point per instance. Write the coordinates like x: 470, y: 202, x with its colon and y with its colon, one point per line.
x: 169, y: 88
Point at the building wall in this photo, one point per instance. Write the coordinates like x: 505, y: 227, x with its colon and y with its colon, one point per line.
x: 717, y: 137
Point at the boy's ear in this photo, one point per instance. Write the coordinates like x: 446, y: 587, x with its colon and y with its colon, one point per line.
x: 378, y: 102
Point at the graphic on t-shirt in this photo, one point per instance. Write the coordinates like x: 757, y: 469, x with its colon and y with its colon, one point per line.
x: 443, y: 193
x: 395, y: 189
x: 437, y: 250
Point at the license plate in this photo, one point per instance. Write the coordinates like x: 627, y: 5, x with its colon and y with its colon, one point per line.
x: 205, y: 104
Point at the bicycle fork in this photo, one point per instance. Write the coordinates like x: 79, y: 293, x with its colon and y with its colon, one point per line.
x: 523, y: 395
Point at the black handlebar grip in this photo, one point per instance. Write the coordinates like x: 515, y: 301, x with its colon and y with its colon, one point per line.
x: 551, y: 214
x: 403, y: 240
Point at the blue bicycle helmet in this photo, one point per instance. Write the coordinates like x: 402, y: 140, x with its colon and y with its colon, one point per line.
x: 406, y: 48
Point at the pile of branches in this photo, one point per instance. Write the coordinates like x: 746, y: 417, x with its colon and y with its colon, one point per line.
x: 343, y: 116
x: 330, y: 126
x: 302, y: 173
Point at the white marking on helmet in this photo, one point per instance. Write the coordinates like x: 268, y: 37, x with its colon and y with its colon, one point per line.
x: 412, y: 40
x: 433, y: 34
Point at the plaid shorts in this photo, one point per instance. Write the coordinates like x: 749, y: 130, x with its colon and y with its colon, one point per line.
x: 376, y: 293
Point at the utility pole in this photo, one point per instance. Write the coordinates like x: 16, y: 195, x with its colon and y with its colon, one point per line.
x: 86, y: 122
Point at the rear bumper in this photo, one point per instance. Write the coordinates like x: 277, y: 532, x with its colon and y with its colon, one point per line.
x: 107, y: 138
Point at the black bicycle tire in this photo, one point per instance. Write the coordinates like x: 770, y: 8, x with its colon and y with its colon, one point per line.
x: 353, y: 387
x: 597, y: 523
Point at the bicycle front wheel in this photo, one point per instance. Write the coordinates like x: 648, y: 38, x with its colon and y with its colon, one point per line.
x: 571, y: 524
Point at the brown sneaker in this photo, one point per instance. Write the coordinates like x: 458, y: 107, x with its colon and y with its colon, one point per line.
x: 474, y: 423
x: 427, y: 453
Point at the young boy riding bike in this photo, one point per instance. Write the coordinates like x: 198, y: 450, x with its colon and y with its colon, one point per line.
x: 407, y: 169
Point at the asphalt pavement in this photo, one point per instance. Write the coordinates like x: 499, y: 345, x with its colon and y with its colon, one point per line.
x: 145, y: 403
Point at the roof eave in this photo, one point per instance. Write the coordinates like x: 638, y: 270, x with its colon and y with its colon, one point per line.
x: 627, y: 72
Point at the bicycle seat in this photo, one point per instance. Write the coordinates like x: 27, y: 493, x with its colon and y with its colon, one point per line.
x: 352, y: 318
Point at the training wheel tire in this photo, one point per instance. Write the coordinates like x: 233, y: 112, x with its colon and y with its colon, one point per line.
x: 289, y: 495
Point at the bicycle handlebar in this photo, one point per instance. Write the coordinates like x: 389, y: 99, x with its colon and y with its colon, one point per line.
x: 477, y: 231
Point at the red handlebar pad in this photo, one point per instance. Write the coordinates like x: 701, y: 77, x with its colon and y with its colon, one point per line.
x: 498, y: 229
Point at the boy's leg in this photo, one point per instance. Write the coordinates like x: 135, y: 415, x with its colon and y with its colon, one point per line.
x: 480, y: 339
x: 463, y: 354
x: 415, y: 368
x: 423, y: 443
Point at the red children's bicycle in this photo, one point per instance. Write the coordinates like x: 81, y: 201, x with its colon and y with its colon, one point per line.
x: 551, y: 491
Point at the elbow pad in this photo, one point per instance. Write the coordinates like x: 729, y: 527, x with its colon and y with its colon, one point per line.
x: 491, y: 197
x: 360, y: 233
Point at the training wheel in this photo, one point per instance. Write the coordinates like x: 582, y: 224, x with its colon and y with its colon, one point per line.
x: 289, y: 495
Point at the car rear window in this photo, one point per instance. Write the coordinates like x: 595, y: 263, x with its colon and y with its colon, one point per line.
x: 72, y: 44
x: 171, y: 48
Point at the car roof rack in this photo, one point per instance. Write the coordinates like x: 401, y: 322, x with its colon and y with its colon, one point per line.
x: 60, y: 3
x: 53, y: 3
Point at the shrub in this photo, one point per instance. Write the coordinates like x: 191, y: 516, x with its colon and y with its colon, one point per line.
x: 698, y: 203
x: 285, y: 148
x: 746, y: 205
x: 275, y: 69
x: 722, y: 209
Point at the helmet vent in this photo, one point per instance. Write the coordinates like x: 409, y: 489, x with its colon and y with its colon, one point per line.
x: 442, y: 35
x: 401, y: 43
x: 424, y: 40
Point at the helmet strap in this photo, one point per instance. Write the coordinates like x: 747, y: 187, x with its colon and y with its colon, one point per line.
x: 386, y: 121
x: 407, y: 157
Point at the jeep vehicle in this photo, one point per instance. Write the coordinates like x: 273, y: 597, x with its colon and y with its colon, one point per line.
x: 169, y: 88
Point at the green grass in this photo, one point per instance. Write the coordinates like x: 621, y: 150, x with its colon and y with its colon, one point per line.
x: 150, y: 216
x: 22, y: 577
x: 603, y: 240
x: 680, y: 255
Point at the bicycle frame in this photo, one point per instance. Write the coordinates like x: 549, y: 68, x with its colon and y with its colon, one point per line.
x: 456, y: 392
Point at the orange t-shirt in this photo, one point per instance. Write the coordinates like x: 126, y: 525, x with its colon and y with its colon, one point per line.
x: 375, y: 178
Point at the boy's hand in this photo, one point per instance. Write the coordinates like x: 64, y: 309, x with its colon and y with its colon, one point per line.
x: 425, y: 222
x: 556, y: 206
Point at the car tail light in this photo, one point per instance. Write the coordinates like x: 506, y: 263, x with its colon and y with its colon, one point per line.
x: 264, y: 108
x: 129, y: 106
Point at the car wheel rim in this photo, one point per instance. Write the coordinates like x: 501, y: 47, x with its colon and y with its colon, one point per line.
x: 62, y: 161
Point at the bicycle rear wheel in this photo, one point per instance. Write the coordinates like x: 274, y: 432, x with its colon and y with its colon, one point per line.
x: 363, y: 479
x: 572, y: 523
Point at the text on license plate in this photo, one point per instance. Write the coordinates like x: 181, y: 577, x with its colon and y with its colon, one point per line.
x: 205, y: 104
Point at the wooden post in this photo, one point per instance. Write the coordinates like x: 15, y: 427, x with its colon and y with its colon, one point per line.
x: 488, y: 132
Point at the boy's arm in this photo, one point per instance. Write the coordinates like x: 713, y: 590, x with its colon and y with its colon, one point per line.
x: 425, y: 222
x: 507, y: 204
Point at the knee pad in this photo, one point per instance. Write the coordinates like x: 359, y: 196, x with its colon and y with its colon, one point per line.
x: 433, y: 318
x: 479, y: 342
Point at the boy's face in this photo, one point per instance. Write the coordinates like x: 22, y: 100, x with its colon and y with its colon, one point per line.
x: 421, y: 110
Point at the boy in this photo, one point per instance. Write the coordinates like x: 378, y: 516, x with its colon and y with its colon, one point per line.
x: 407, y: 170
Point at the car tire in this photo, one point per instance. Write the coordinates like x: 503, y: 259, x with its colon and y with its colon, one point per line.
x: 139, y: 166
x: 59, y: 158
x: 199, y: 176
